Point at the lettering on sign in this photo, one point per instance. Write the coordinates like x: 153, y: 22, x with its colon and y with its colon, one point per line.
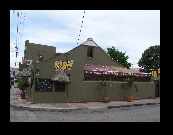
x: 63, y: 64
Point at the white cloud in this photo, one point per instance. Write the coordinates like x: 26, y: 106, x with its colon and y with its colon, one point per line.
x: 132, y: 31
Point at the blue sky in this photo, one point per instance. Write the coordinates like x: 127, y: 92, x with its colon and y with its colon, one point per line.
x: 130, y: 31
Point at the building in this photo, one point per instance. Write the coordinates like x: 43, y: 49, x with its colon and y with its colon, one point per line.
x: 36, y: 52
x: 13, y: 73
x: 74, y: 76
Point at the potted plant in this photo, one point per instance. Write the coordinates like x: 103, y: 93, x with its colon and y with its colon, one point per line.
x: 129, y: 85
x: 103, y: 85
x: 22, y: 85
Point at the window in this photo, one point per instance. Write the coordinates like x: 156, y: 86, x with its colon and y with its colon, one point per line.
x: 90, y: 51
x: 59, y: 86
x: 40, y: 58
x: 37, y: 70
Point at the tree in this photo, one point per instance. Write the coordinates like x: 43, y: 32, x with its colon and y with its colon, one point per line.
x: 119, y: 57
x: 22, y: 84
x: 150, y: 59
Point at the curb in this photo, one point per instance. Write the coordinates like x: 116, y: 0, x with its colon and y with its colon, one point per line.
x: 71, y: 109
x: 42, y: 109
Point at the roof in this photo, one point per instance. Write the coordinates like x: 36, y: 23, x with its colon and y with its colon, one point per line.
x: 110, y: 70
x: 60, y: 76
x: 135, y: 69
x: 89, y: 42
x: 14, y: 68
x: 25, y: 72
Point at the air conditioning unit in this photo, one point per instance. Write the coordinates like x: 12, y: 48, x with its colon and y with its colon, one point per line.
x: 29, y: 62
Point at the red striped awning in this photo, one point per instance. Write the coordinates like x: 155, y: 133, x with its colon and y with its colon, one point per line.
x: 108, y: 70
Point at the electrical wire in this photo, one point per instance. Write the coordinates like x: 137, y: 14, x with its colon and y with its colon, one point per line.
x: 80, y: 29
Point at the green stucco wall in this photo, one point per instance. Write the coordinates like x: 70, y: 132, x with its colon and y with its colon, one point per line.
x: 79, y: 90
x: 33, y: 50
x: 21, y: 66
x: 88, y: 91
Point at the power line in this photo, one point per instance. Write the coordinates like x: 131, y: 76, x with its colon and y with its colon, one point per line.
x: 80, y: 29
x: 19, y: 23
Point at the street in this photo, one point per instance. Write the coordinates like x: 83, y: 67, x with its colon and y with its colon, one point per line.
x: 145, y: 113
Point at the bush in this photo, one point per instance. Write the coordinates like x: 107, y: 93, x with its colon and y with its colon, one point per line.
x: 129, y: 84
x: 22, y: 84
x: 104, y: 84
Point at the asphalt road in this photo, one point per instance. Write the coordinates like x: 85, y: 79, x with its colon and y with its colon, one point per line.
x: 145, y: 113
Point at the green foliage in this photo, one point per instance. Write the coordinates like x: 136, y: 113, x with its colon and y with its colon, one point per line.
x: 22, y: 84
x: 119, y: 57
x: 129, y: 84
x: 150, y: 59
x: 103, y: 84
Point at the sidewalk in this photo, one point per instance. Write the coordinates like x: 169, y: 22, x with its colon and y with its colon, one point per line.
x: 17, y: 102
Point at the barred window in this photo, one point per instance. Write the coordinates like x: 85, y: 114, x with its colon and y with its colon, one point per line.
x: 90, y: 51
x: 41, y: 58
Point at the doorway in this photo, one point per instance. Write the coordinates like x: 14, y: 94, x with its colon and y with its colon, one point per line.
x: 157, y: 88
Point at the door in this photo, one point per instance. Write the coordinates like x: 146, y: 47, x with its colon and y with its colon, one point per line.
x: 157, y: 88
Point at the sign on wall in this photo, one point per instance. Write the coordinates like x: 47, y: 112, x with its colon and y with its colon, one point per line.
x: 154, y: 74
x: 63, y: 64
x: 43, y: 85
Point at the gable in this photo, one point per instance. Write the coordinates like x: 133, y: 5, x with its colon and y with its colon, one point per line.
x: 90, y: 42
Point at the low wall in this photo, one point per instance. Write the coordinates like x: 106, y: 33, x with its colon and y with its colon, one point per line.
x: 88, y: 91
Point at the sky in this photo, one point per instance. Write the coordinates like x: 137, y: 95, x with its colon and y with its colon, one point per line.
x: 130, y: 31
